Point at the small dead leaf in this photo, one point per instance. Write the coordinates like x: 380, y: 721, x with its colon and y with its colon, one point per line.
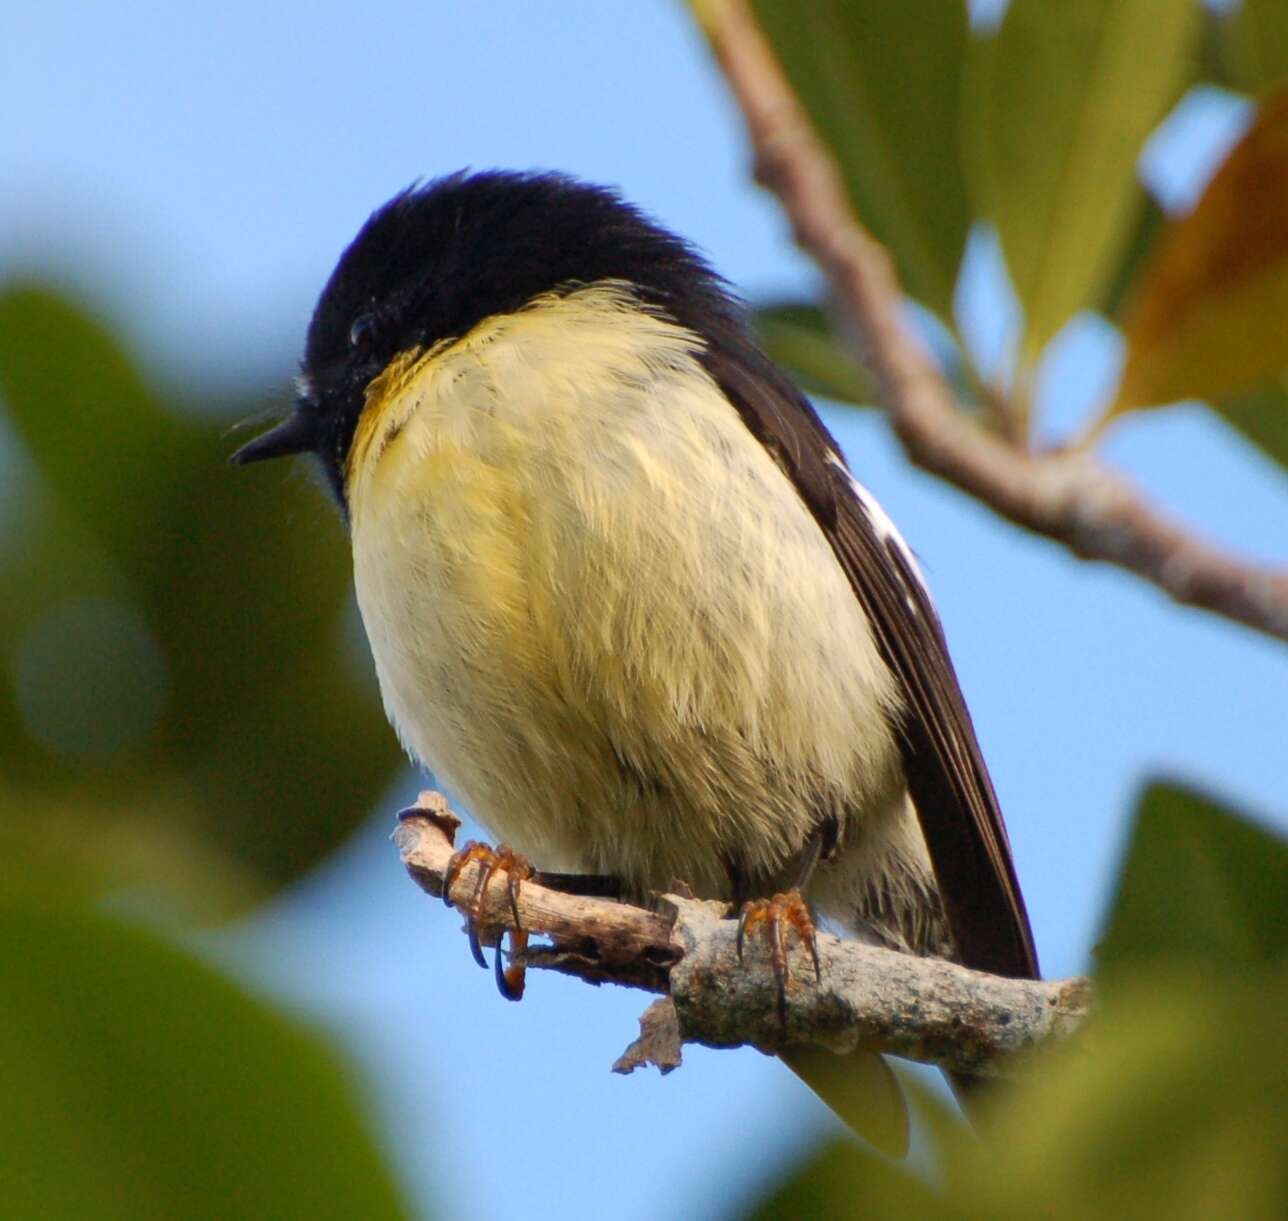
x: 659, y: 1042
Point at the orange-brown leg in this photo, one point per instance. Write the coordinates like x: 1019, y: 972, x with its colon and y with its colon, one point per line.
x: 776, y: 916
x: 510, y: 980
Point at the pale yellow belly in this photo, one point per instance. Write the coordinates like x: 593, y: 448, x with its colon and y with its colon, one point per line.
x: 602, y: 616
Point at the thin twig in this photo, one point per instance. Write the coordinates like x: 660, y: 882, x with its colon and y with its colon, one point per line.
x: 922, y: 1009
x: 1067, y: 496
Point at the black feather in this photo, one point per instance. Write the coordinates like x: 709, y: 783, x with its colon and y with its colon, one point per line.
x: 438, y: 259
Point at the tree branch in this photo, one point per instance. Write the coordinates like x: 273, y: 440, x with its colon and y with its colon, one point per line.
x: 918, y: 1008
x: 1067, y: 496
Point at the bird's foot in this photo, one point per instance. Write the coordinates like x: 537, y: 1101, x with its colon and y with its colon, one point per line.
x: 517, y: 869
x: 776, y: 916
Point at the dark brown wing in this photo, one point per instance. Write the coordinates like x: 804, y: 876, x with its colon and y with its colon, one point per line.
x: 947, y: 778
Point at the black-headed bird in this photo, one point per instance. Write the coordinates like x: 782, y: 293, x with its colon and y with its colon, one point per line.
x: 623, y: 595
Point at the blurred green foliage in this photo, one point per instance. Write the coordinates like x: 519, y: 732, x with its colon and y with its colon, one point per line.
x: 177, y: 691
x: 1229, y: 915
x: 183, y: 725
x: 1173, y: 1104
x: 882, y: 81
x: 137, y: 1082
x: 1036, y: 127
x: 1059, y: 102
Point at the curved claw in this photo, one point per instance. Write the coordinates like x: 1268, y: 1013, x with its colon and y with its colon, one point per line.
x: 776, y: 915
x: 476, y: 947
x: 510, y: 980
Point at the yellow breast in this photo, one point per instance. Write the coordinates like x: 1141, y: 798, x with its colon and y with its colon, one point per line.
x: 599, y: 611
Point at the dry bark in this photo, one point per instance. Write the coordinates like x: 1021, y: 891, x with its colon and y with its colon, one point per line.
x: 918, y: 1008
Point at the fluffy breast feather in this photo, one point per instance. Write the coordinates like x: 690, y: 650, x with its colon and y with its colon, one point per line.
x: 600, y: 612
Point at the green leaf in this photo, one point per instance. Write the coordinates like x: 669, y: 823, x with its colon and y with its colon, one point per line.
x: 1200, y: 885
x: 1207, y: 318
x: 252, y: 725
x: 798, y: 337
x: 1172, y: 1103
x: 1175, y: 1106
x: 140, y: 1083
x: 882, y: 81
x: 1057, y: 106
x: 72, y: 393
x: 1260, y: 43
x: 1262, y: 417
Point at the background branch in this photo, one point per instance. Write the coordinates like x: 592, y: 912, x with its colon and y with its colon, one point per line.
x: 918, y: 1008
x: 1069, y: 495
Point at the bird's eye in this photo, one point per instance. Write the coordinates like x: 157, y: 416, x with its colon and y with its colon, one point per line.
x: 362, y: 330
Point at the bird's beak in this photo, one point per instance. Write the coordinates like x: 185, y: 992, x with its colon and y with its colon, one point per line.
x: 294, y: 435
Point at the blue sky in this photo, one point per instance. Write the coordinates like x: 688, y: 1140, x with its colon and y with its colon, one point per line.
x: 197, y: 169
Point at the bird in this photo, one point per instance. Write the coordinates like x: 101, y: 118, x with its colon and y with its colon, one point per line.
x: 623, y: 594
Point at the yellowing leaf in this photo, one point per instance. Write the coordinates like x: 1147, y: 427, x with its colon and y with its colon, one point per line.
x: 882, y: 83
x: 1057, y: 107
x: 1209, y: 316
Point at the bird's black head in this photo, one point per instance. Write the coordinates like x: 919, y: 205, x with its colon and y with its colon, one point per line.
x: 437, y: 259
